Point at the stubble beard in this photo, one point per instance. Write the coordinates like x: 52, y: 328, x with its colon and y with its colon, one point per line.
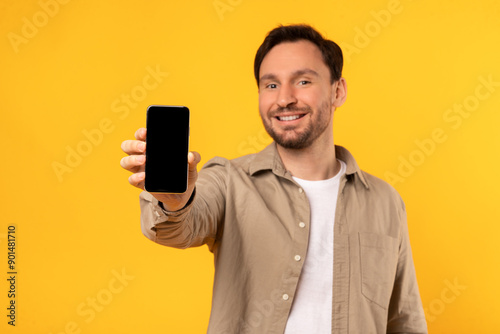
x: 290, y: 138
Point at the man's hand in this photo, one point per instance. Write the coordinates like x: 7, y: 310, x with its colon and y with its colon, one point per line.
x: 136, y: 162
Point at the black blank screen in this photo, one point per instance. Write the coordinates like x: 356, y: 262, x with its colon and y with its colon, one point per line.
x: 166, y: 149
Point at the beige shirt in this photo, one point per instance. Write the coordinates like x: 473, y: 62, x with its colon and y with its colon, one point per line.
x: 255, y: 219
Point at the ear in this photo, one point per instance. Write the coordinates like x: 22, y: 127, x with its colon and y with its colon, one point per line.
x: 339, y: 93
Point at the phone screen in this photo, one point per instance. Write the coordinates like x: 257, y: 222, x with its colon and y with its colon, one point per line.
x: 167, y: 143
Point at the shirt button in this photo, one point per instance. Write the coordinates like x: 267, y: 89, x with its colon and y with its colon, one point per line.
x: 297, y: 257
x: 302, y: 224
x: 285, y: 296
x: 301, y: 190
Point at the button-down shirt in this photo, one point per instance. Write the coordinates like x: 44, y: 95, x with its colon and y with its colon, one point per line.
x: 255, y: 219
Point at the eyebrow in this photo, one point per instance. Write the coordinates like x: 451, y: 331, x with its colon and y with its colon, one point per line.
x: 298, y: 73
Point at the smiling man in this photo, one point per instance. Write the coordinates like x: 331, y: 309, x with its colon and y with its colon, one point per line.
x: 304, y: 241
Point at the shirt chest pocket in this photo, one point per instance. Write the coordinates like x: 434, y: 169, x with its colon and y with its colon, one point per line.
x: 378, y: 260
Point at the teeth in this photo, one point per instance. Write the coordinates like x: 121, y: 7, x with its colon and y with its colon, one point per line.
x: 288, y: 118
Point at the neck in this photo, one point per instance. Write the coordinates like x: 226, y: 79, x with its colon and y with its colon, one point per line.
x: 316, y: 162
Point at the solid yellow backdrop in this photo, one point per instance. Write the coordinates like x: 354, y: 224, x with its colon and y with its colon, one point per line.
x: 77, y: 76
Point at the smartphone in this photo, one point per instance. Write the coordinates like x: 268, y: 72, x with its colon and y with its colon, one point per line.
x: 167, y: 144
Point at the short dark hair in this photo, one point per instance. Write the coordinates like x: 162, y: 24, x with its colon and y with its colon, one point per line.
x: 332, y: 54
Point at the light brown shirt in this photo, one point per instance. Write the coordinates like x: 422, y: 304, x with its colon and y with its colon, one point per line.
x: 255, y: 219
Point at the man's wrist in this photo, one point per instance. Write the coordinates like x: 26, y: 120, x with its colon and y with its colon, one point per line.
x: 160, y: 204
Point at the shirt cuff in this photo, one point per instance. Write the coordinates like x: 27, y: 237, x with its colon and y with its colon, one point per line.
x: 161, y: 215
x: 180, y: 211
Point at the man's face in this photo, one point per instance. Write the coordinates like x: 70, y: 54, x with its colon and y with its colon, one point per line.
x: 296, y: 98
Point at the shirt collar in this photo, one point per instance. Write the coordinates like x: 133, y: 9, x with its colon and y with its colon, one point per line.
x: 269, y: 159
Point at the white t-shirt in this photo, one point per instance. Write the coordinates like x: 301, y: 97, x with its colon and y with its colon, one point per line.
x: 312, y: 306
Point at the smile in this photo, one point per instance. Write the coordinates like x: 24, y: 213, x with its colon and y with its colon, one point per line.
x: 289, y: 118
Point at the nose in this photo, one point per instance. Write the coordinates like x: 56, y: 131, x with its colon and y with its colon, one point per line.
x: 286, y: 96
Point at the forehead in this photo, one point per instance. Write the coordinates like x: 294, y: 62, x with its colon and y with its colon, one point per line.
x: 291, y: 56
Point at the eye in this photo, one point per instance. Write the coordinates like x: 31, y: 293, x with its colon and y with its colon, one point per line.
x: 304, y: 82
x: 272, y: 86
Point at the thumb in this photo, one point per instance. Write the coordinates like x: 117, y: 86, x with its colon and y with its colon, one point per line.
x: 193, y: 159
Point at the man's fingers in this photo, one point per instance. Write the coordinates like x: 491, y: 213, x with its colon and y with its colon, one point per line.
x: 137, y: 180
x: 133, y: 147
x: 136, y: 160
x: 140, y: 134
x: 133, y: 163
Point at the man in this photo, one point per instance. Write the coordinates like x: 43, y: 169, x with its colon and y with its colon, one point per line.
x: 304, y: 241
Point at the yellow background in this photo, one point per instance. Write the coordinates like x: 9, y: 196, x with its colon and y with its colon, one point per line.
x: 76, y: 231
